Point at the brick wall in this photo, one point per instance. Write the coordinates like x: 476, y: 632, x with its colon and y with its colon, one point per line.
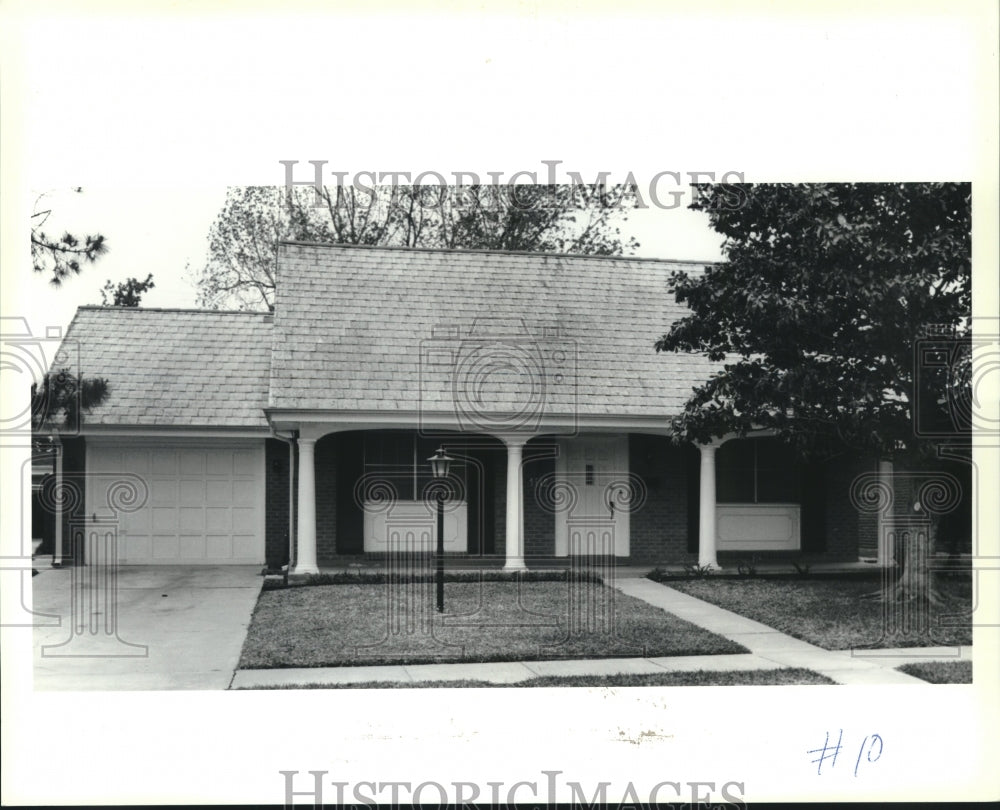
x: 74, y: 462
x: 954, y: 529
x: 539, y: 522
x: 500, y: 502
x: 326, y: 499
x: 659, y: 529
x: 276, y: 502
x: 845, y: 524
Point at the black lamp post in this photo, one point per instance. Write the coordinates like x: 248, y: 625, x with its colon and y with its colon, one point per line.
x: 440, y: 465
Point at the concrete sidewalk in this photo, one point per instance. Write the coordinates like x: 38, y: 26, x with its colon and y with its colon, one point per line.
x: 780, y: 650
x: 769, y: 649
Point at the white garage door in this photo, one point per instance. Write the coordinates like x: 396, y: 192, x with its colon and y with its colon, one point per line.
x: 205, y: 504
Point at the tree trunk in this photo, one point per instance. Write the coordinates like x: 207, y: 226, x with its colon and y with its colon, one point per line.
x: 916, y: 578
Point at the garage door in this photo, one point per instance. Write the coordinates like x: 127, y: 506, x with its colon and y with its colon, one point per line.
x: 205, y: 504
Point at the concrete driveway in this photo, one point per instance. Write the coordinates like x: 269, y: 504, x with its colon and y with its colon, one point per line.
x: 171, y: 627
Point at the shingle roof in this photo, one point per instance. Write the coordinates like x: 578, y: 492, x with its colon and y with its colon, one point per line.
x: 389, y: 329
x: 173, y: 367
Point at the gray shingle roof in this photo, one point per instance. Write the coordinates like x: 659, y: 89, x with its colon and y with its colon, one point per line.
x: 181, y: 368
x: 390, y: 329
x: 408, y: 329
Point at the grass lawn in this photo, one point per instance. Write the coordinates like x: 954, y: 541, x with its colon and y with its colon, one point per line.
x: 940, y: 671
x: 349, y: 624
x: 760, y: 677
x: 832, y: 613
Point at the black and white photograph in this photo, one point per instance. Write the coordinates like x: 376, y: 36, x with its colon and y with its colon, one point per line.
x: 517, y: 404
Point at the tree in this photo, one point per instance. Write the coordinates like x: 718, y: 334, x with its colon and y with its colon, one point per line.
x: 61, y: 399
x: 128, y: 293
x: 61, y: 256
x: 58, y: 403
x: 816, y: 310
x: 242, y: 255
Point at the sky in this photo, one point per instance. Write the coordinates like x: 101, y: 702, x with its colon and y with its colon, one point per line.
x: 164, y: 231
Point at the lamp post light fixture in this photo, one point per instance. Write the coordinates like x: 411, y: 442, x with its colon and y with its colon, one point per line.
x: 440, y: 467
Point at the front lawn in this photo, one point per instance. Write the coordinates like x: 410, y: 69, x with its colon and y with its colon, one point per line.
x: 352, y: 625
x: 835, y: 613
x: 702, y: 677
x: 940, y: 671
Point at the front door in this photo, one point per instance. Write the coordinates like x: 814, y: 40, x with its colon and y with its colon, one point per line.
x: 594, y: 522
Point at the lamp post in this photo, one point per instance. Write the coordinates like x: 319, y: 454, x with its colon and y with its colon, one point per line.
x: 440, y: 465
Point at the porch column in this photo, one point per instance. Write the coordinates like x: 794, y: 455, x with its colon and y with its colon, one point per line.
x: 706, y: 507
x: 57, y: 552
x: 515, y: 516
x: 885, y: 527
x: 305, y: 557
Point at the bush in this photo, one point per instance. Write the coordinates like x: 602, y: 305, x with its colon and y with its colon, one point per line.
x: 381, y: 578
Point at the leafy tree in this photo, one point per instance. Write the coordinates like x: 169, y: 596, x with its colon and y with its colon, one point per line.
x: 127, y: 293
x: 61, y: 256
x: 240, y: 270
x: 816, y: 311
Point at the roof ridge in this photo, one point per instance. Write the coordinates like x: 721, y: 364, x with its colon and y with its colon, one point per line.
x: 200, y: 310
x: 422, y: 249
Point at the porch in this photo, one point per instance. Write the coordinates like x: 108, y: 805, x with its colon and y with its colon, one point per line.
x: 362, y: 496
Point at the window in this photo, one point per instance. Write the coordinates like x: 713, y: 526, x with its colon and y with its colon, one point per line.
x: 757, y: 471
x: 400, y: 459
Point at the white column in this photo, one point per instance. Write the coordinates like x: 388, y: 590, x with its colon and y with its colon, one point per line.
x: 515, y: 513
x: 305, y: 558
x: 706, y: 508
x: 885, y: 528
x: 57, y: 552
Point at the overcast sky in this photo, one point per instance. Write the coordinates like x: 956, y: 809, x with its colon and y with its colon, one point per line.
x: 164, y: 231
